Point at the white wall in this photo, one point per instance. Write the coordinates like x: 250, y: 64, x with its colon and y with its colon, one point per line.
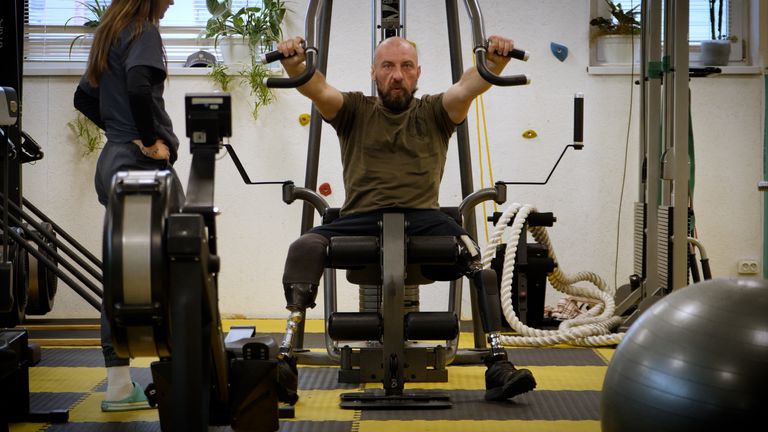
x: 256, y: 227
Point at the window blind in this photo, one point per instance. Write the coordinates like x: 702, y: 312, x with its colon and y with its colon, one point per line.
x: 55, y: 30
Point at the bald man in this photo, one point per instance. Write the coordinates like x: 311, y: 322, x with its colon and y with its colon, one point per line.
x: 393, y: 149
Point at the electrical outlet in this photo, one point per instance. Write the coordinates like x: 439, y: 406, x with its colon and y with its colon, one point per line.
x: 747, y: 266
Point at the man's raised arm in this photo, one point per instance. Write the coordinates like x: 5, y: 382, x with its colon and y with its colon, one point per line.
x: 458, y: 98
x: 327, y: 99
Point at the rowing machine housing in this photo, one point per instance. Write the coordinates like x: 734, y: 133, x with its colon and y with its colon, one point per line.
x: 135, y: 263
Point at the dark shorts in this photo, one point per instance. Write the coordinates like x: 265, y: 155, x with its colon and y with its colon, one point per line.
x: 419, y: 222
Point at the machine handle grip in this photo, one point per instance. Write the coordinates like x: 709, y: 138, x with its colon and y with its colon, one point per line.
x: 578, y: 119
x: 519, y: 54
x: 494, y: 79
x: 299, y: 79
x: 276, y: 55
x: 271, y: 57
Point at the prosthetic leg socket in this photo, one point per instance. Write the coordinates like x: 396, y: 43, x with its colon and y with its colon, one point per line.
x: 300, y: 296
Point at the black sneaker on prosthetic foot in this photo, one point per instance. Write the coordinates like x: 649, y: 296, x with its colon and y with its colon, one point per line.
x: 287, y: 380
x: 503, y: 381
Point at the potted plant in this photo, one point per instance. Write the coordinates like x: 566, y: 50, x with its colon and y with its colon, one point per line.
x: 245, y: 32
x: 96, y: 11
x: 617, y: 37
x: 717, y: 51
x: 241, y: 35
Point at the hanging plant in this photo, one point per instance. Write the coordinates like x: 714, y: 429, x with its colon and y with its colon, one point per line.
x: 263, y: 95
x: 220, y: 76
x: 87, y: 134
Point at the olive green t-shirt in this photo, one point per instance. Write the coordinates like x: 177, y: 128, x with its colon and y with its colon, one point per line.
x: 392, y: 159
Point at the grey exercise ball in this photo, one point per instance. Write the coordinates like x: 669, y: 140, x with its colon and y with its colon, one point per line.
x: 697, y: 360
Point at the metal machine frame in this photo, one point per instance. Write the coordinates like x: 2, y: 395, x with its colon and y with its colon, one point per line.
x: 661, y: 212
x: 317, y: 31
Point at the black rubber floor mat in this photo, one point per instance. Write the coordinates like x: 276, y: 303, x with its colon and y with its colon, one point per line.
x: 321, y: 378
x: 106, y: 427
x: 46, y: 402
x: 71, y: 357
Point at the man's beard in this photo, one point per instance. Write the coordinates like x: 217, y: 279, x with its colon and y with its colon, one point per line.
x: 393, y: 102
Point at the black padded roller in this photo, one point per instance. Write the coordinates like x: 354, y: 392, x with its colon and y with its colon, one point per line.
x: 432, y: 250
x: 355, y: 326
x: 431, y: 326
x: 352, y: 251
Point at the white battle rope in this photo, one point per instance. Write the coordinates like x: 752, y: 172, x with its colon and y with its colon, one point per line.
x: 589, y: 329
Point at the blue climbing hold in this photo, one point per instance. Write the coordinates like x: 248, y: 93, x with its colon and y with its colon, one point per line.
x: 559, y: 51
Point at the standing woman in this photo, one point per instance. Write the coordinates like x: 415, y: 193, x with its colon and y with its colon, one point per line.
x: 122, y: 93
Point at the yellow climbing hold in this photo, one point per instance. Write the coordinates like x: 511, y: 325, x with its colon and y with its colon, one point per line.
x: 530, y: 133
x: 304, y: 119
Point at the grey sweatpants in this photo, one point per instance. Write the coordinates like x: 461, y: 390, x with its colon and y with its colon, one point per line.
x: 116, y: 157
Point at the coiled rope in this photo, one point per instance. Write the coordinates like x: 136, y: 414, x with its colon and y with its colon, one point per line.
x: 593, y: 328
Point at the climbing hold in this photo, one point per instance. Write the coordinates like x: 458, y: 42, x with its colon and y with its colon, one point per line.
x: 325, y: 189
x: 559, y: 51
x: 304, y: 119
x: 530, y: 133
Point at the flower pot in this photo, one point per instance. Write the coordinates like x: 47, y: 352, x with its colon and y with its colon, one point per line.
x: 617, y: 49
x: 235, y: 50
x: 715, y: 52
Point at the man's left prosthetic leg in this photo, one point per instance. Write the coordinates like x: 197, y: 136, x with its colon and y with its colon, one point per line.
x: 502, y: 379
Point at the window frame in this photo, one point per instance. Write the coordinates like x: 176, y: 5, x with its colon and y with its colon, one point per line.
x: 739, y: 25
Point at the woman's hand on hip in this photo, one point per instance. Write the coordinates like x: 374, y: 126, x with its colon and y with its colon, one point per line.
x: 158, y: 151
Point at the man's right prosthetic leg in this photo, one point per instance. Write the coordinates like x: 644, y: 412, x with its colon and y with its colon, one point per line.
x: 299, y: 297
x: 305, y: 261
x: 502, y: 379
